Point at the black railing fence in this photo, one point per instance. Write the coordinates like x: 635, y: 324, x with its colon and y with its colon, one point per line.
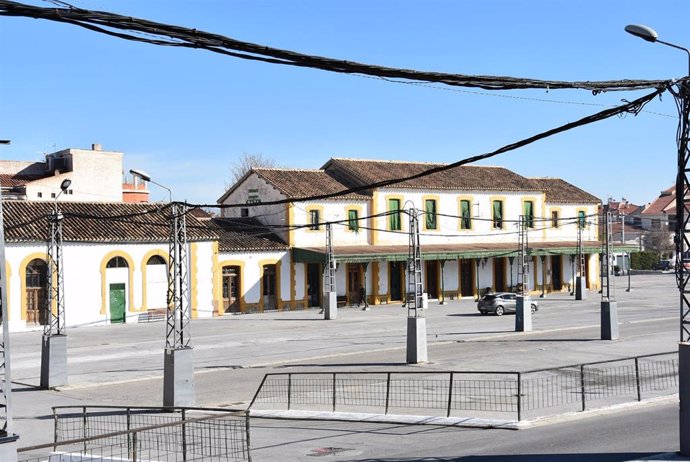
x: 485, y: 393
x: 109, y: 433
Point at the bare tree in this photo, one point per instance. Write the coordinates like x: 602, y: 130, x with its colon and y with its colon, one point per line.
x: 659, y: 240
x: 246, y: 162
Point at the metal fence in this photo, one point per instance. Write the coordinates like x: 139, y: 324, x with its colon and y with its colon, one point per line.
x: 488, y: 394
x: 110, y: 433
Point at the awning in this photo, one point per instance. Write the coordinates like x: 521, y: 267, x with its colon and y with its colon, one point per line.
x: 369, y: 253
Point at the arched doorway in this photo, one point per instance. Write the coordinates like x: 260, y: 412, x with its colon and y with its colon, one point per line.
x: 36, y: 292
x: 156, y: 283
x: 117, y: 275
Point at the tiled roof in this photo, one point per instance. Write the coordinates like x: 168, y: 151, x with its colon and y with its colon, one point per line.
x: 296, y: 183
x: 26, y: 221
x: 11, y: 180
x: 242, y: 234
x: 663, y: 203
x: 357, y: 172
x: 560, y: 191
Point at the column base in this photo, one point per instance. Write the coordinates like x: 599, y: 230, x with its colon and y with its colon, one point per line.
x: 609, y: 320
x: 178, y: 377
x: 330, y: 305
x: 580, y: 288
x: 523, y: 314
x: 416, y: 340
x: 8, y: 448
x: 53, y: 361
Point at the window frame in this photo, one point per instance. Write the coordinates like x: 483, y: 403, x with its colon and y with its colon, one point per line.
x: 466, y: 222
x: 497, y: 223
x: 394, y: 222
x: 431, y: 218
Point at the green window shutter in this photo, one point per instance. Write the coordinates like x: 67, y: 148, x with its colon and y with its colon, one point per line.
x: 394, y: 214
x: 498, y: 214
x: 430, y: 207
x: 465, y: 221
x: 529, y: 213
x: 315, y: 222
x: 581, y: 219
x: 353, y: 222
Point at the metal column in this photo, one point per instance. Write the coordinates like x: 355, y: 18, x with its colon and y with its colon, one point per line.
x: 609, y: 308
x: 178, y: 373
x: 523, y: 309
x: 416, y: 322
x: 54, y: 341
x: 331, y: 297
x: 580, y: 276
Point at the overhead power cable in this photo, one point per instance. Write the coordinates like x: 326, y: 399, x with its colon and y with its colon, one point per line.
x: 169, y: 35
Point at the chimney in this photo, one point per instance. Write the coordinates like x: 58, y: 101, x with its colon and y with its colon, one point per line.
x: 96, y: 147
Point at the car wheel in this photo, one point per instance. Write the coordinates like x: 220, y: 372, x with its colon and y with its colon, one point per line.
x: 534, y: 308
x: 499, y: 311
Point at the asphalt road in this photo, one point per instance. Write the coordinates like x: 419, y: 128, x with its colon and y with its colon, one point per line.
x: 122, y: 364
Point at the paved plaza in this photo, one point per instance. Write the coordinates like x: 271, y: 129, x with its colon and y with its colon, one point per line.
x: 123, y: 365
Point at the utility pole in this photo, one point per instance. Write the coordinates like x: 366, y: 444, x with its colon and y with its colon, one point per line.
x: 178, y: 372
x: 8, y: 440
x: 331, y: 299
x: 580, y: 282
x: 416, y: 321
x: 523, y: 309
x: 54, y: 340
x: 609, y: 307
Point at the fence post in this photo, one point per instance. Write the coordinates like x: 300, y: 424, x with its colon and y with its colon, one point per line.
x: 134, y: 447
x: 450, y: 394
x: 637, y: 379
x: 519, y: 396
x: 289, y: 390
x: 84, y: 421
x: 55, y: 429
x: 388, y: 390
x: 582, y: 384
x: 334, y: 391
x: 129, y: 435
x: 247, y: 427
x: 184, y: 436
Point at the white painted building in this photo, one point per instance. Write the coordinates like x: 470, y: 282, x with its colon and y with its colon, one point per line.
x: 468, y: 217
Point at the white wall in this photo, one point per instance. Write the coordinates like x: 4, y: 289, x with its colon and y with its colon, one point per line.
x: 330, y: 211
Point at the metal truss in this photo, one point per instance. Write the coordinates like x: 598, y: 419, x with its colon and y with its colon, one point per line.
x: 414, y: 269
x: 55, y: 279
x: 6, y: 376
x: 329, y: 273
x: 681, y: 93
x: 580, y: 258
x: 523, y: 260
x: 177, y: 333
x: 607, y: 291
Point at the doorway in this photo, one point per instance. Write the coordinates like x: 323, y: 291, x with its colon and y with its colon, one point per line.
x: 36, y: 292
x: 231, y: 289
x: 396, y: 273
x: 354, y: 282
x: 499, y: 274
x: 466, y: 278
x: 268, y: 282
x: 313, y: 284
x: 557, y: 272
x: 117, y: 303
x: 431, y: 270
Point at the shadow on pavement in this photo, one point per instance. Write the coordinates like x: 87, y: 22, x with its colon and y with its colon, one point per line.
x: 592, y: 457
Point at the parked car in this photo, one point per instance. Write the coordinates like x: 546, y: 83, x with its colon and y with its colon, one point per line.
x: 500, y: 303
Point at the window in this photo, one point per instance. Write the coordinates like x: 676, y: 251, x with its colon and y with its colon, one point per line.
x: 253, y: 196
x: 581, y: 219
x: 554, y: 218
x: 637, y: 221
x: 117, y: 262
x: 52, y: 195
x: 394, y: 215
x: 465, y: 215
x: 656, y: 223
x: 40, y: 194
x: 430, y: 209
x: 497, y: 214
x: 244, y: 212
x: 528, y: 212
x: 353, y: 220
x: 314, y: 222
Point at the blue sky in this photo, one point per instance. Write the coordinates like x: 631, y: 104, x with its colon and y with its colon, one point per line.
x: 185, y: 115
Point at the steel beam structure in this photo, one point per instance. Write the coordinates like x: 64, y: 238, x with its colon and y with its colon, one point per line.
x: 330, y: 261
x: 681, y: 93
x: 177, y: 332
x: 415, y: 291
x: 523, y: 260
x: 608, y: 291
x: 5, y: 369
x: 55, y: 279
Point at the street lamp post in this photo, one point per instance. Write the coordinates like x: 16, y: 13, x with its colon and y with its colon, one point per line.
x: 178, y: 363
x: 54, y: 342
x: 682, y: 236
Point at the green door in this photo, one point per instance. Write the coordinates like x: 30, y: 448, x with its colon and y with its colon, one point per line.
x: 117, y: 303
